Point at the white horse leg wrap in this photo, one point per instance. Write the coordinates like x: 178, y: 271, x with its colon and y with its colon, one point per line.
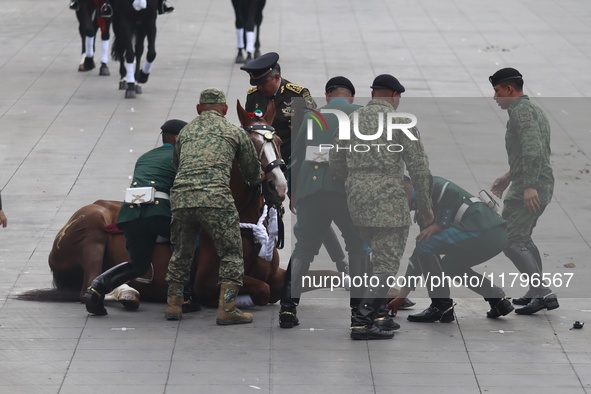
x: 250, y: 41
x: 240, y: 38
x: 104, y: 51
x: 147, y: 67
x: 244, y: 301
x: 89, y: 46
x: 130, y: 72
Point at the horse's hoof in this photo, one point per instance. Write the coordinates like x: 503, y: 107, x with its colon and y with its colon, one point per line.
x: 129, y: 299
x: 88, y: 64
x: 130, y: 93
x: 142, y: 77
x: 122, y: 84
x: 248, y: 57
x: 138, y: 89
x: 240, y: 57
x: 104, y: 70
x: 257, y: 53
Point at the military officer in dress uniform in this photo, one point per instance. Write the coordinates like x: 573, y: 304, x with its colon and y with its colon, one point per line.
x: 268, y: 84
x: 141, y: 223
x: 527, y: 141
x: 468, y: 232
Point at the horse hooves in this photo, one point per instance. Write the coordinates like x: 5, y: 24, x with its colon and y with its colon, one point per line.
x: 88, y: 64
x: 257, y: 53
x: 122, y: 85
x: 142, y: 77
x: 130, y: 91
x: 130, y: 300
x: 138, y: 89
x: 104, y: 70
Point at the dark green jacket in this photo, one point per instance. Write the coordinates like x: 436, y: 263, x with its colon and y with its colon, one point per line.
x: 155, y: 169
x: 287, y: 113
x: 447, y: 198
x: 313, y: 177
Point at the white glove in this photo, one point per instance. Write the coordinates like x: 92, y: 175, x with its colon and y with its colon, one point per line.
x: 139, y: 5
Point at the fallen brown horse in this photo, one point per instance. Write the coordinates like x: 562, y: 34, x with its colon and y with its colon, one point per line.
x: 89, y: 243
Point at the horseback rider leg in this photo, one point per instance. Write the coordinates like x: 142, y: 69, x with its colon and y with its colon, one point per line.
x: 292, y: 290
x: 104, y: 284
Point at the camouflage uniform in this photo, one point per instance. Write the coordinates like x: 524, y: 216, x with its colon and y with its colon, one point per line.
x: 527, y: 141
x: 201, y: 194
x: 373, y: 181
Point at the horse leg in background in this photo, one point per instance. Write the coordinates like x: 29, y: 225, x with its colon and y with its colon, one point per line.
x: 87, y: 33
x: 140, y: 36
x: 104, y: 24
x: 144, y: 72
x: 239, y: 24
x: 129, y: 63
x: 249, y: 13
x: 258, y: 21
x: 74, y: 5
x: 164, y: 7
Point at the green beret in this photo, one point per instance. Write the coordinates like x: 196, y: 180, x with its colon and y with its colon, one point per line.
x: 212, y: 96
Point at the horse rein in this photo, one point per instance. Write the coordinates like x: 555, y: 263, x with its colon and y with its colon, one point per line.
x: 268, y: 134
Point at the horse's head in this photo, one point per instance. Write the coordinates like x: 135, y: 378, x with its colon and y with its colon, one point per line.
x: 267, y: 144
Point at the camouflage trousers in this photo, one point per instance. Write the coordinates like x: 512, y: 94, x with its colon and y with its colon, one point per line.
x: 387, y: 245
x: 520, y: 222
x: 223, y: 226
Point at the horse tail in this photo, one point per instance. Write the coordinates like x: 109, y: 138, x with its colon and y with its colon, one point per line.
x: 49, y: 295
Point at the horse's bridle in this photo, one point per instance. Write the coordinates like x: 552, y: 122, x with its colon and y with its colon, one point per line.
x: 268, y: 134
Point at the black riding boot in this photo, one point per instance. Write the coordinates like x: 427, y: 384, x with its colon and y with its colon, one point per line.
x: 358, y: 267
x: 362, y: 317
x: 499, y: 306
x: 383, y: 320
x: 335, y: 251
x: 533, y: 249
x: 526, y: 261
x: 106, y: 10
x: 104, y: 284
x: 292, y: 290
x: 441, y: 309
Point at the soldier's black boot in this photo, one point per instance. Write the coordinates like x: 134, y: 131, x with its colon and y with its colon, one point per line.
x: 499, y: 307
x: 358, y: 266
x: 539, y: 302
x: 533, y: 249
x: 441, y: 309
x: 106, y: 10
x: 335, y: 251
x: 527, y: 260
x: 362, y: 317
x: 104, y: 284
x: 383, y: 320
x: 292, y: 290
x: 74, y: 5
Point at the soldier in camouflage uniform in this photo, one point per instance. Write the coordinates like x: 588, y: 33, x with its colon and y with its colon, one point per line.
x: 527, y: 141
x: 202, y: 199
x: 376, y: 199
x: 142, y: 223
x: 289, y: 100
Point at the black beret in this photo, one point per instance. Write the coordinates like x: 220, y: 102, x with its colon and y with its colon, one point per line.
x: 503, y: 75
x: 259, y: 68
x: 387, y: 81
x: 339, y: 82
x: 173, y: 126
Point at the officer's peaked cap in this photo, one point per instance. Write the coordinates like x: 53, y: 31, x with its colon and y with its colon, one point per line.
x: 261, y: 67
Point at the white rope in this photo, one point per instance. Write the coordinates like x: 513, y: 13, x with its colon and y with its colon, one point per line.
x: 266, y: 239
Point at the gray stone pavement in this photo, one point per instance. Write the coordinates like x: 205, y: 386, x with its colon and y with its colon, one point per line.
x: 69, y: 138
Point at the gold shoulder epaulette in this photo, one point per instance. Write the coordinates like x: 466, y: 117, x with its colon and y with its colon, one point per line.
x: 294, y: 88
x: 251, y: 90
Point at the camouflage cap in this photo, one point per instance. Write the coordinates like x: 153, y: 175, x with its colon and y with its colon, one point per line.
x: 212, y: 96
